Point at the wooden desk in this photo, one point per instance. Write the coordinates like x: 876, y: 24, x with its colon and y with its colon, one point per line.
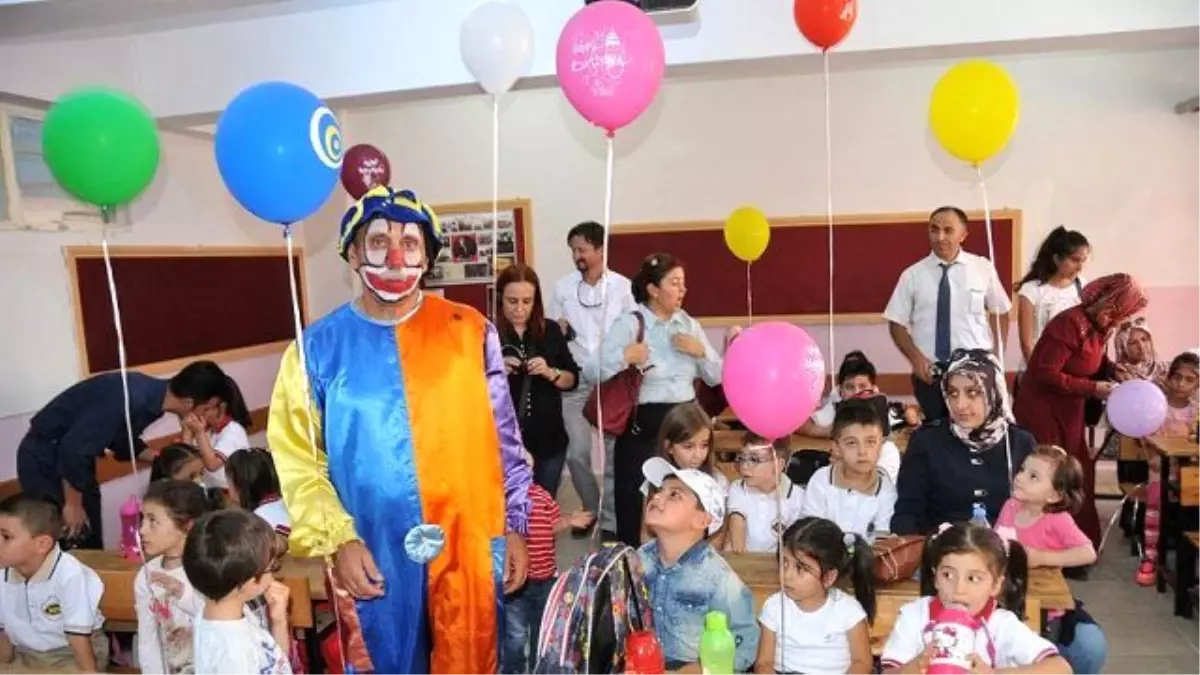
x: 1182, y: 452
x: 1175, y: 447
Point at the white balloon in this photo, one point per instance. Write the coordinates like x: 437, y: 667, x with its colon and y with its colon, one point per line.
x: 496, y: 41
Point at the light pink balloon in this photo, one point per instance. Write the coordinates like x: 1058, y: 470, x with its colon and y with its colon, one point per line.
x: 773, y: 378
x: 610, y: 63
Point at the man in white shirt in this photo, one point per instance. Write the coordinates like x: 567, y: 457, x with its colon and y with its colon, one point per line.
x: 576, y: 303
x: 948, y: 300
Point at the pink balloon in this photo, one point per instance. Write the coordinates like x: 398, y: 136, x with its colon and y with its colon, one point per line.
x: 610, y: 63
x: 773, y: 378
x: 1137, y: 408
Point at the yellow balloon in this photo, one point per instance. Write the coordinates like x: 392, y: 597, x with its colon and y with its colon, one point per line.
x: 973, y: 110
x: 747, y: 233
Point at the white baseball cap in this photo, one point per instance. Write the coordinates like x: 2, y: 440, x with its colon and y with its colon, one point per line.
x: 711, y: 496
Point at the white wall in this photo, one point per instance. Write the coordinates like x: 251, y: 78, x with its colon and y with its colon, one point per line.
x: 1098, y: 148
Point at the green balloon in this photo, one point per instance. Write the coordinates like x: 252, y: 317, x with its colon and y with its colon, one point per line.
x: 101, y: 145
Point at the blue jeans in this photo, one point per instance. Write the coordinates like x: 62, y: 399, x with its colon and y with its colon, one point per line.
x: 547, y: 472
x: 1088, y: 651
x: 522, y: 623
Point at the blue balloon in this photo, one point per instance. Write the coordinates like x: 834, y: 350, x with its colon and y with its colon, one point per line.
x: 279, y: 151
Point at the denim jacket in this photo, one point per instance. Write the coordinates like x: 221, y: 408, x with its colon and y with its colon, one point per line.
x: 681, y: 594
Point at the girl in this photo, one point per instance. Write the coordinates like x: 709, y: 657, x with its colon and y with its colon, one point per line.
x: 166, y: 602
x: 969, y: 567
x: 755, y: 519
x: 177, y: 461
x: 254, y: 486
x: 685, y: 440
x: 218, y: 432
x: 824, y: 630
x: 1051, y: 286
x: 1047, y: 490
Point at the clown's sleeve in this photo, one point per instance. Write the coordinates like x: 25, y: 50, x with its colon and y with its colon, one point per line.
x: 319, y: 522
x: 517, y: 475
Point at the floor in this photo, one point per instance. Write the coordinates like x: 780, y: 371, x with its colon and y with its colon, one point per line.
x: 1143, y: 635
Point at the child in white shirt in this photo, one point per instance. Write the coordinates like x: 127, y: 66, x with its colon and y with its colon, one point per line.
x: 218, y: 432
x: 813, y: 626
x: 229, y: 557
x: 853, y: 492
x: 685, y: 440
x: 969, y: 568
x: 50, y: 616
x: 166, y: 603
x: 755, y: 518
x: 856, y: 381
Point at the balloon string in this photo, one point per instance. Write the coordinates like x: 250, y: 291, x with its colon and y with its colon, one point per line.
x: 987, y: 223
x: 779, y: 540
x: 495, y: 202
x: 608, y: 199
x: 829, y: 219
x: 749, y: 298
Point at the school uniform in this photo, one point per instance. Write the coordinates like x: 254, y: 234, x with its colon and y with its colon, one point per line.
x: 863, y: 513
x: 946, y: 306
x: 37, y: 614
x: 228, y: 438
x: 812, y: 642
x: 761, y: 512
x: 275, y: 512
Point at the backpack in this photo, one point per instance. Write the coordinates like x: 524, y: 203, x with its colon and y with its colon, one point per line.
x: 591, y: 610
x: 804, y: 463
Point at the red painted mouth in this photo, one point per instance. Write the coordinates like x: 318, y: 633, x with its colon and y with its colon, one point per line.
x: 397, y: 285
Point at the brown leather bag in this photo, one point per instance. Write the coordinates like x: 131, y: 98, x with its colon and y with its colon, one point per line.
x: 898, y: 557
x: 619, y: 394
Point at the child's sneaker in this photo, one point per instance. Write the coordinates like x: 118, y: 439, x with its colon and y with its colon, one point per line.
x: 1145, y: 574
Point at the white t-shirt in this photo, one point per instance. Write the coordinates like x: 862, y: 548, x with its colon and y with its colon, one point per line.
x: 61, y: 598
x: 230, y: 439
x: 853, y: 511
x: 580, y: 304
x: 237, y: 647
x: 276, y: 515
x: 167, y: 607
x: 812, y: 642
x: 761, y: 510
x: 1004, y: 636
x: 1048, y: 301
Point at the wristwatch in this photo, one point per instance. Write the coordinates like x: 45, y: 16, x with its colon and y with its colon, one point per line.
x: 557, y: 375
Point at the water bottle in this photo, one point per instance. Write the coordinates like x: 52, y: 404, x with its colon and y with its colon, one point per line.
x: 643, y: 654
x: 953, y: 638
x: 716, y: 645
x: 979, y: 516
x: 131, y: 512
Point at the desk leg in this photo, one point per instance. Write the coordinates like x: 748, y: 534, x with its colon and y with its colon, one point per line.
x: 1166, y: 523
x: 1185, y: 565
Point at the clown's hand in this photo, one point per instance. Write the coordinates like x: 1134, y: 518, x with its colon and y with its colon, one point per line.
x: 356, y: 571
x: 516, y: 562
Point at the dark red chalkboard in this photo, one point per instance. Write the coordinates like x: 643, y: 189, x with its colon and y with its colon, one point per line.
x: 792, y: 277
x: 179, y: 304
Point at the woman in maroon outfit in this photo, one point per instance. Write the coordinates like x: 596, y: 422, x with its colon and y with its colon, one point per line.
x: 1058, y: 380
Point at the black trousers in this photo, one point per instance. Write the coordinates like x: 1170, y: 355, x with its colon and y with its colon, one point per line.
x: 929, y: 397
x: 632, y: 449
x: 37, y: 472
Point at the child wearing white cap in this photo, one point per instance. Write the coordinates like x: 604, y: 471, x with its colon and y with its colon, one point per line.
x: 685, y: 576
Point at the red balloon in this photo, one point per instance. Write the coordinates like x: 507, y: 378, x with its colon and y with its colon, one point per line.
x: 364, y: 167
x: 825, y: 22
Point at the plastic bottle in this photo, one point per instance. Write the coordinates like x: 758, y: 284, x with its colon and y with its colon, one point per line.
x: 643, y: 654
x: 979, y: 516
x: 131, y: 512
x: 716, y: 645
x: 953, y: 638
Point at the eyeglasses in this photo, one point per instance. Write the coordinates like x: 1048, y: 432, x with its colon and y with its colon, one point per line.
x: 579, y: 296
x: 752, y: 460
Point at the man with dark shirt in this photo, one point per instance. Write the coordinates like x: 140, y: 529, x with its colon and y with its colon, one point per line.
x: 57, y: 457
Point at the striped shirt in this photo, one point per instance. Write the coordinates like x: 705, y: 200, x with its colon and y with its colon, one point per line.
x: 540, y: 539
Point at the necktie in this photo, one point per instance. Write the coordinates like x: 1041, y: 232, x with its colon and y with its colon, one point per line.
x: 941, y: 347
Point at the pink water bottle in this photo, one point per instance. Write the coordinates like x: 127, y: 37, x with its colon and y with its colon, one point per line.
x: 953, y: 639
x: 131, y: 512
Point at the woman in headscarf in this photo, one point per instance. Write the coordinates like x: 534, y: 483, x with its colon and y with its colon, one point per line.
x: 1134, y: 348
x: 1067, y: 367
x: 954, y: 466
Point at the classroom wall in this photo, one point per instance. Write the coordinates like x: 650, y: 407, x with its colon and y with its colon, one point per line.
x: 1098, y: 148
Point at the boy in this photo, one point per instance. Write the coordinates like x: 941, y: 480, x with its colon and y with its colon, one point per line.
x: 755, y: 517
x: 854, y: 491
x: 228, y: 558
x: 49, y: 601
x: 686, y: 578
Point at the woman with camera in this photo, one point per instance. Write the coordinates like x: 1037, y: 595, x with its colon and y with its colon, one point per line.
x: 539, y: 368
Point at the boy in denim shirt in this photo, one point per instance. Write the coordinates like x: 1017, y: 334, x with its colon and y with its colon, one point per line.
x: 685, y: 576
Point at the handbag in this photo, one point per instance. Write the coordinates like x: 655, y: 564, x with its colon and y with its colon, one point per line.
x: 618, y: 394
x: 897, y: 557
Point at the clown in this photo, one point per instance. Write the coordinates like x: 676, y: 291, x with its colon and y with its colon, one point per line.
x: 416, y: 487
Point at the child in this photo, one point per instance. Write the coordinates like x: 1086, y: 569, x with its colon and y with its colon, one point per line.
x: 856, y: 381
x: 1051, y: 286
x: 971, y: 568
x: 523, y: 608
x: 218, y: 432
x: 177, y: 461
x: 687, y: 578
x: 254, y: 486
x: 685, y: 440
x: 50, y: 616
x: 1045, y: 492
x: 818, y: 628
x: 228, y: 558
x: 755, y: 519
x: 167, y: 605
x: 853, y: 491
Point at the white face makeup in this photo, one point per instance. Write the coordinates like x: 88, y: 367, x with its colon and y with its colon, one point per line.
x: 393, y: 259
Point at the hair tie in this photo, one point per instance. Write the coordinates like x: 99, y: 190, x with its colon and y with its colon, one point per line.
x: 654, y: 261
x: 942, y: 528
x: 848, y: 539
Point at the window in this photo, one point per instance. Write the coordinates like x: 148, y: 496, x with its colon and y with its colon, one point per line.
x: 29, y: 196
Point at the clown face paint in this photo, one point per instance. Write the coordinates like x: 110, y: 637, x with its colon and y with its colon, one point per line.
x: 393, y: 259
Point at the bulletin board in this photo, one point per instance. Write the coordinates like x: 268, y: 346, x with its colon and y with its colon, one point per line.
x: 180, y: 304
x: 791, y: 280
x: 463, y: 271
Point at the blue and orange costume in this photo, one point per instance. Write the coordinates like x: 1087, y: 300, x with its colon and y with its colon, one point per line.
x: 414, y: 428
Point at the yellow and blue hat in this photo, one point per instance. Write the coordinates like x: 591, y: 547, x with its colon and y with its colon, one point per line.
x: 397, y: 207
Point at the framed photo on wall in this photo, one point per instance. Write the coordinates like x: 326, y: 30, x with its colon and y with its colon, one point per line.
x: 470, y: 242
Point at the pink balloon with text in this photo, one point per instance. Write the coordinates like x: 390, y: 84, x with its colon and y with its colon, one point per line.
x: 773, y: 377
